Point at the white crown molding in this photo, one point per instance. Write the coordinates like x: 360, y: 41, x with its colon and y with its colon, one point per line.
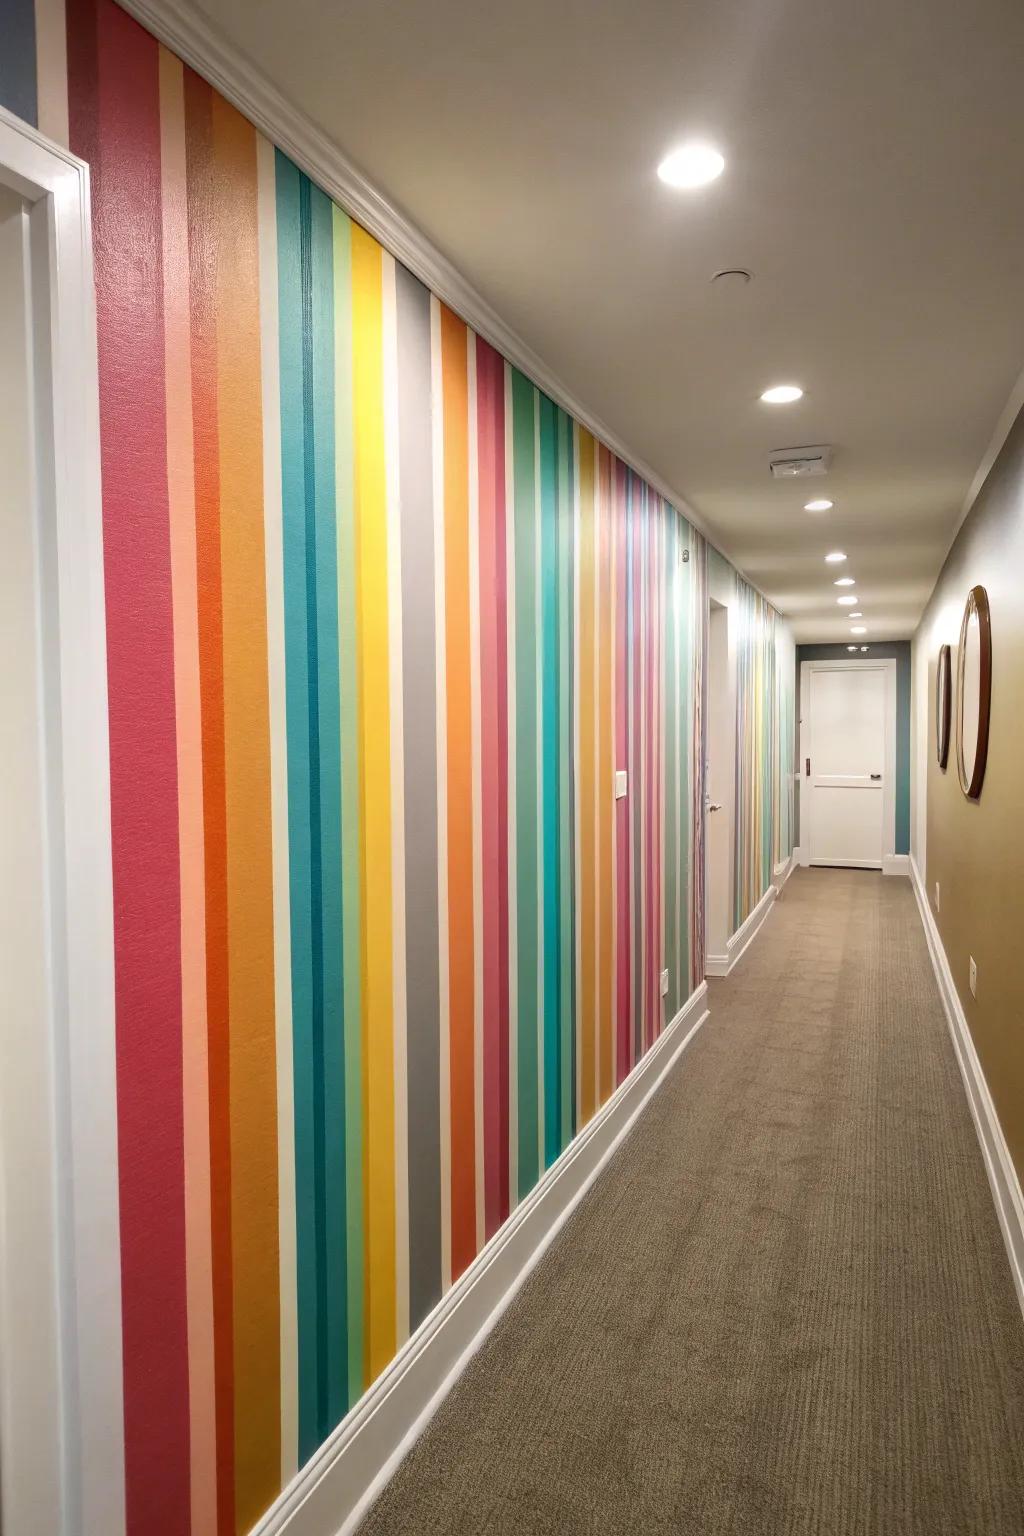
x: 1011, y: 410
x: 190, y: 35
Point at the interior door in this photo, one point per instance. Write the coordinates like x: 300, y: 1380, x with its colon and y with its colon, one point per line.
x: 844, y: 764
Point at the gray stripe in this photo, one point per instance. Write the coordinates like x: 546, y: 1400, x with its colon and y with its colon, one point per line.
x: 415, y: 468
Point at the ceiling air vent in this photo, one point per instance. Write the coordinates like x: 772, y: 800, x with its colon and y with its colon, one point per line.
x: 796, y: 463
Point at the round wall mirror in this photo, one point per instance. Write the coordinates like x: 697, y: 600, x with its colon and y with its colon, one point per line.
x: 974, y: 692
x: 943, y: 689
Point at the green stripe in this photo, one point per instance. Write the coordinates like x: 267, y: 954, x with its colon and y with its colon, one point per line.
x: 320, y: 421
x: 528, y: 994
x: 293, y: 508
x: 350, y: 845
x: 552, y: 787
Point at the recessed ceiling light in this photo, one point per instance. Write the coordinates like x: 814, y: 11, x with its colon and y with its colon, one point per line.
x: 835, y: 558
x: 864, y: 647
x: 821, y: 505
x: 781, y: 394
x: 844, y: 581
x: 851, y: 647
x: 847, y: 602
x: 691, y: 165
x: 858, y: 614
x: 858, y: 629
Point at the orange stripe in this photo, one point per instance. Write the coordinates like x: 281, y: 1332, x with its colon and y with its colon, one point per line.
x: 605, y: 774
x: 586, y: 814
x: 199, y: 150
x: 195, y: 1072
x: 460, y: 789
x: 252, y: 1055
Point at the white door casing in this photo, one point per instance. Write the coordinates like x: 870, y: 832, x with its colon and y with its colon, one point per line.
x: 848, y: 762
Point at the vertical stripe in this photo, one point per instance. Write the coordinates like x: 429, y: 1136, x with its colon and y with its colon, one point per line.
x: 510, y: 925
x: 375, y: 797
x: 272, y: 530
x: 421, y: 841
x: 477, y: 801
x: 551, y: 771
x: 605, y: 777
x: 463, y: 927
x: 587, y: 791
x: 348, y: 684
x: 195, y: 1079
x: 116, y: 121
x: 622, y: 862
x: 567, y: 783
x: 52, y: 72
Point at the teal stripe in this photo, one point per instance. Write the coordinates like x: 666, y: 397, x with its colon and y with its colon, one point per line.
x: 529, y: 998
x: 686, y: 581
x: 293, y: 509
x: 551, y: 681
x: 566, y: 640
x: 350, y: 840
x: 324, y: 574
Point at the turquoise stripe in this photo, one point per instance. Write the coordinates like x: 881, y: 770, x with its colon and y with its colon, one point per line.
x: 350, y: 838
x: 567, y: 874
x: 528, y: 994
x: 297, y: 680
x: 324, y: 575
x: 551, y: 789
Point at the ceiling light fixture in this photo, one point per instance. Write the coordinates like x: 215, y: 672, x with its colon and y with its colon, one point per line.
x: 691, y: 165
x: 821, y: 505
x: 847, y: 602
x: 851, y: 647
x: 835, y: 558
x: 858, y: 614
x: 858, y: 629
x: 864, y: 647
x: 844, y: 581
x: 781, y: 394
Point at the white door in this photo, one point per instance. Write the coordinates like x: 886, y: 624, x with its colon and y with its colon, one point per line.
x: 846, y: 794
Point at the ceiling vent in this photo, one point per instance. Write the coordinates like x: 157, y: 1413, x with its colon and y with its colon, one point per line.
x: 797, y: 463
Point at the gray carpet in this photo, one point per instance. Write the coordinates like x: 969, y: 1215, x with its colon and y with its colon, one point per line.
x: 785, y: 1306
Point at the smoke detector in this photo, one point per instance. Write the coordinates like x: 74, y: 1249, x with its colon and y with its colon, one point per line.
x: 799, y: 463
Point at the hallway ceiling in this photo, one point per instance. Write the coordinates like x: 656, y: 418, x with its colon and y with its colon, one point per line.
x: 874, y: 185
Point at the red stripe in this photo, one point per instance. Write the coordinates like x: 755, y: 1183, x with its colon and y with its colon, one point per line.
x: 113, y: 89
x: 203, y: 303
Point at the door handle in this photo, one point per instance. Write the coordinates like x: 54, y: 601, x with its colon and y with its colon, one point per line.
x: 714, y: 807
x: 807, y: 770
x: 876, y: 775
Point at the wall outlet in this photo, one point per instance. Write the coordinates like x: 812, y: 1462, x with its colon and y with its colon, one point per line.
x: 974, y: 977
x: 621, y: 783
x: 937, y: 903
x: 664, y: 982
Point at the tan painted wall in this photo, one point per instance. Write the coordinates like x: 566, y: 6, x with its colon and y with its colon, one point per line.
x: 976, y: 850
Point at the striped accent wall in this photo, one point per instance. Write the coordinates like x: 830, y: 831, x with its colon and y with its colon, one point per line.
x: 384, y: 622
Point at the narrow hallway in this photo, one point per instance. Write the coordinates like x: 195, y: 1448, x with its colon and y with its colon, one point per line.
x: 786, y: 1305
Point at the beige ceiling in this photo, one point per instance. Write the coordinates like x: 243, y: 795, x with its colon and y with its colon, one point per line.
x: 874, y: 186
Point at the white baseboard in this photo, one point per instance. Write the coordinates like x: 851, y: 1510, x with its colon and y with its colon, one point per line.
x: 332, y: 1492
x: 736, y: 947
x: 783, y: 870
x: 895, y: 864
x: 801, y: 856
x: 1002, y: 1175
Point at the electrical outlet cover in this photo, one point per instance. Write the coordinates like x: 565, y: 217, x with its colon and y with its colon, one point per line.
x: 974, y: 977
x: 664, y: 983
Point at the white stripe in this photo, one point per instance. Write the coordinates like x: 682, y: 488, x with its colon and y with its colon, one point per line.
x: 389, y: 339
x: 52, y: 70
x: 441, y: 732
x: 510, y: 695
x: 478, y: 877
x: 274, y: 554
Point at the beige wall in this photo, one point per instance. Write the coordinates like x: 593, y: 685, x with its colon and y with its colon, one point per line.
x: 976, y: 850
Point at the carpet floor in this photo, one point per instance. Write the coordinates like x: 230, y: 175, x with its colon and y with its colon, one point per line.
x: 785, y: 1305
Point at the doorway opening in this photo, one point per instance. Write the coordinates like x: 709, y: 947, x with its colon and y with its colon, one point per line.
x: 720, y: 791
x: 848, y: 762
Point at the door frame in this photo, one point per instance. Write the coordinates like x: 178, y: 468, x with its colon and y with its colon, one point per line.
x: 79, y: 1185
x: 886, y: 664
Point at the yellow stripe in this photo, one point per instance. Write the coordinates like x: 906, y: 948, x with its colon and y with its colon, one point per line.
x: 375, y: 798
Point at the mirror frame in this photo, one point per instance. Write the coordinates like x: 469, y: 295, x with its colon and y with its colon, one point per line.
x: 977, y: 603
x: 943, y: 705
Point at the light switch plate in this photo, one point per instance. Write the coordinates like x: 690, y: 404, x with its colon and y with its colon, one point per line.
x: 937, y: 908
x: 621, y: 781
x: 974, y: 977
x: 664, y: 982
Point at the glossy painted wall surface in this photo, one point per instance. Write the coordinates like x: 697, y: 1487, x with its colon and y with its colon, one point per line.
x: 975, y: 850
x: 383, y: 623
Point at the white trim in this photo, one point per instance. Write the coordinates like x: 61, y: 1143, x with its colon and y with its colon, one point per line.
x: 886, y: 664
x: 737, y: 946
x: 331, y: 1493
x: 189, y: 33
x: 799, y: 857
x: 1002, y: 1176
x: 896, y: 864
x: 782, y: 872
x: 56, y: 184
